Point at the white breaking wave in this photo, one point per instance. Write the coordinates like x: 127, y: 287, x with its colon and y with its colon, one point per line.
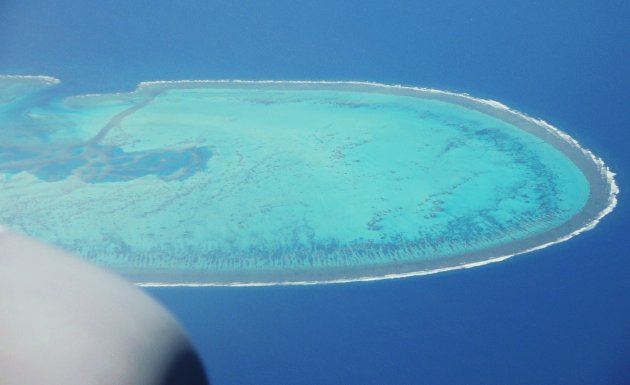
x: 46, y: 79
x: 604, y: 171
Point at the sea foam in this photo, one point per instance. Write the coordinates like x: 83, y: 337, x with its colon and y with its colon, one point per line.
x: 604, y: 170
x: 605, y: 173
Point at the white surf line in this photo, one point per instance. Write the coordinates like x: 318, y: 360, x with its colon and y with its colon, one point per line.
x: 492, y: 103
x: 47, y: 79
x: 603, y: 169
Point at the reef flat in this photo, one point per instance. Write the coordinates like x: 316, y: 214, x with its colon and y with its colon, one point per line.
x: 283, y: 182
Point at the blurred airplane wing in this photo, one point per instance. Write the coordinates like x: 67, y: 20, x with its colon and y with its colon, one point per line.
x: 64, y: 321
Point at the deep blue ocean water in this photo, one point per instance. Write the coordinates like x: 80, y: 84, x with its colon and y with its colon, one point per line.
x: 556, y: 316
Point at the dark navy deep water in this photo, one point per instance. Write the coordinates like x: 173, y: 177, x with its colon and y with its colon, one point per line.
x: 556, y: 316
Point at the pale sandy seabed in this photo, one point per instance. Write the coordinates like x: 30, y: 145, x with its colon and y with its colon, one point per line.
x: 126, y: 132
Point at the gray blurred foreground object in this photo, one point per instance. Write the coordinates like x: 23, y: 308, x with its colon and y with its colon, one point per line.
x: 64, y: 321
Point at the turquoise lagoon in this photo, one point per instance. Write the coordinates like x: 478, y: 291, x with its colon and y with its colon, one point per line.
x: 246, y: 182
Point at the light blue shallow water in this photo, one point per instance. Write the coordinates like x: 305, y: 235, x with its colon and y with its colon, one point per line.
x: 274, y: 182
x: 555, y: 316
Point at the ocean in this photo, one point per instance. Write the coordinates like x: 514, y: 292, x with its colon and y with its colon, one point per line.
x: 554, y: 316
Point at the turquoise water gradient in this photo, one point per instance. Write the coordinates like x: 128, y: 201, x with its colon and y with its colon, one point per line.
x: 283, y: 182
